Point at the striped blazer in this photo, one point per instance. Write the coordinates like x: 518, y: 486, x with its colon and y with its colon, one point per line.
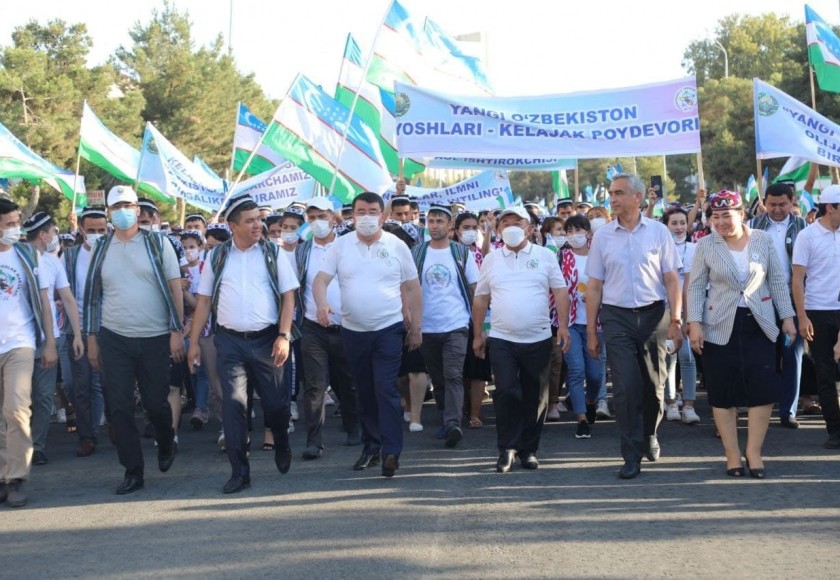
x: 715, y: 268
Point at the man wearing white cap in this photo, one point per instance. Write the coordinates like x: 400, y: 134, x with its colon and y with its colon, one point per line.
x: 324, y: 359
x: 816, y: 256
x: 518, y: 279
x: 133, y: 315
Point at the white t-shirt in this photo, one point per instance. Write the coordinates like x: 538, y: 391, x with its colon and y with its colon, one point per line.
x: 18, y: 321
x: 444, y: 309
x: 742, y: 263
x: 292, y: 257
x: 82, y: 264
x: 685, y: 251
x: 52, y: 277
x: 194, y: 276
x: 370, y: 278
x: 316, y: 257
x: 578, y: 293
x: 518, y: 285
x: 818, y: 249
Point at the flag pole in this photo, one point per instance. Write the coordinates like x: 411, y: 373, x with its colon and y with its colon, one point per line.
x: 233, y: 146
x: 759, y: 178
x: 701, y: 180
x: 78, y: 161
x: 140, y: 161
x: 577, y: 184
x: 362, y: 78
x: 813, y: 91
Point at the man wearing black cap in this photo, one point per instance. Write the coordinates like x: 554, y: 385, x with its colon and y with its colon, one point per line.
x: 88, y: 399
x: 133, y: 315
x: 250, y: 289
x: 42, y: 234
x: 448, y: 274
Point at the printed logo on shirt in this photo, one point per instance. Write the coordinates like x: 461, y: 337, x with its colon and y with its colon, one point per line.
x: 383, y: 254
x: 532, y: 264
x: 438, y: 277
x: 9, y: 283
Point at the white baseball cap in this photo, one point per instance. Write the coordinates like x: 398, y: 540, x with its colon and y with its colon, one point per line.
x: 121, y: 194
x: 515, y: 210
x: 830, y: 194
x: 320, y: 202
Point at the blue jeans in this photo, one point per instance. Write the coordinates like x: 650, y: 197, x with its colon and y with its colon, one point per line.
x: 374, y: 358
x: 63, y: 346
x: 791, y: 372
x: 584, y: 369
x: 688, y: 371
x: 87, y: 396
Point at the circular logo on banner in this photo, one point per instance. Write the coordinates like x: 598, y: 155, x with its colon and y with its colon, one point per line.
x: 501, y: 175
x: 532, y: 264
x: 767, y: 104
x: 685, y: 99
x: 401, y: 104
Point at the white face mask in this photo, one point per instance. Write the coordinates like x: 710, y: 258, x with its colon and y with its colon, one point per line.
x: 469, y: 237
x: 191, y: 255
x: 277, y: 241
x: 560, y: 241
x: 52, y: 246
x: 367, y: 225
x: 598, y: 223
x: 678, y: 239
x: 290, y: 237
x: 321, y: 229
x: 10, y: 236
x: 577, y: 241
x: 513, y: 236
x: 92, y: 238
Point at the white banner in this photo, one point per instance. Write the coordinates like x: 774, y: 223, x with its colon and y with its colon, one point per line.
x: 487, y: 190
x: 278, y: 187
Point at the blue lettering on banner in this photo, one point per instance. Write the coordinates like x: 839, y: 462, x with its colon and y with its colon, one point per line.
x: 439, y: 128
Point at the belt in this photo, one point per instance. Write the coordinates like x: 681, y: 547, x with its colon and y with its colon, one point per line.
x: 330, y: 328
x: 644, y: 308
x: 272, y: 329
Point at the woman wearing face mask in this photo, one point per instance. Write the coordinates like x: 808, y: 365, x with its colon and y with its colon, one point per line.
x: 554, y: 237
x: 553, y: 234
x: 676, y: 219
x: 586, y: 378
x: 477, y: 372
x: 598, y: 218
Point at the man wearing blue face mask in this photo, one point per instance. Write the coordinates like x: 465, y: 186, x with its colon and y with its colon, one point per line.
x: 133, y: 318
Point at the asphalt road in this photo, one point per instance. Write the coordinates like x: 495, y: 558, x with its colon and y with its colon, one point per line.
x: 447, y: 513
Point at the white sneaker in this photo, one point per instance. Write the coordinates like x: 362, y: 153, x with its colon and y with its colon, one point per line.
x: 679, y: 401
x: 328, y: 400
x: 221, y: 441
x: 294, y: 411
x: 689, y: 416
x: 61, y: 416
x: 407, y: 417
x: 415, y: 427
x: 562, y: 408
x: 553, y: 414
x: 603, y: 411
x: 291, y: 428
x: 672, y: 412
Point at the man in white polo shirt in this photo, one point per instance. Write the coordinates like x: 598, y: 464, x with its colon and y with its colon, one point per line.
x: 373, y: 269
x: 518, y: 279
x: 816, y: 256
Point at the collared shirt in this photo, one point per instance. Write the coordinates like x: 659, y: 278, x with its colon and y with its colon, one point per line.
x: 631, y: 264
x: 370, y: 278
x: 779, y: 232
x: 246, y: 302
x: 518, y: 284
x: 818, y: 249
x: 316, y: 258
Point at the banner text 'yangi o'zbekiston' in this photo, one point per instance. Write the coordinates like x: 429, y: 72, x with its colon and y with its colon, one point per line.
x: 659, y: 119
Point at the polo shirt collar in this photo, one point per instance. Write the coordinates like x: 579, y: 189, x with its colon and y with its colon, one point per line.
x: 617, y: 226
x: 784, y: 222
x: 527, y: 249
x: 241, y: 251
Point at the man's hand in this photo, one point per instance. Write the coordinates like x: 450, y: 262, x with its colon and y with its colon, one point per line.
x: 696, y: 337
x: 789, y: 328
x: 652, y: 196
x: 280, y: 351
x: 400, y: 186
x: 806, y: 328
x: 675, y: 334
x: 837, y: 350
x: 323, y: 315
x: 176, y: 346
x: 593, y: 344
x: 194, y: 356
x: 49, y: 356
x: 564, y: 339
x: 413, y: 339
x: 74, y: 221
x: 701, y: 198
x: 93, y: 352
x: 479, y: 344
x: 78, y: 347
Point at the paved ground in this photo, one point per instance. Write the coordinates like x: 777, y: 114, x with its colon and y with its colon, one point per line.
x: 447, y: 513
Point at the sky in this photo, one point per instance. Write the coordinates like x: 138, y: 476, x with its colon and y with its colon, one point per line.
x: 533, y: 46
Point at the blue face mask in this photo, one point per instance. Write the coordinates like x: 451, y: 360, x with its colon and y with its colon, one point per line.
x: 124, y: 218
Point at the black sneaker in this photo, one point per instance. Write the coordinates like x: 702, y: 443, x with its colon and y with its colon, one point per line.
x: 39, y: 458
x: 583, y: 431
x: 833, y: 441
x: 591, y: 413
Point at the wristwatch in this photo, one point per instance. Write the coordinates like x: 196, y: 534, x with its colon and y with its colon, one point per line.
x: 677, y: 321
x: 284, y: 335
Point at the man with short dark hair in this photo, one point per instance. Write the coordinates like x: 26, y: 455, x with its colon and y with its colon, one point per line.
x: 565, y: 208
x: 784, y: 227
x: 25, y: 327
x: 373, y: 269
x: 249, y: 288
x: 196, y: 222
x: 133, y: 315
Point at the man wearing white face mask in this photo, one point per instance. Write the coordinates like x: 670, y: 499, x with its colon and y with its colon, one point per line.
x: 88, y: 400
x: 373, y: 269
x: 42, y: 235
x: 518, y: 279
x: 323, y: 358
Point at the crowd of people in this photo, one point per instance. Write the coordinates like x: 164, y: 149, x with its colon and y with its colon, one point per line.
x: 379, y: 306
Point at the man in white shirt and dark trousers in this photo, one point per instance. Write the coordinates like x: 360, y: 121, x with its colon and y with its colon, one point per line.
x: 249, y: 287
x: 24, y: 312
x: 133, y: 315
x: 633, y: 267
x: 816, y: 293
x: 448, y: 275
x: 373, y: 269
x: 517, y: 278
x: 323, y: 358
